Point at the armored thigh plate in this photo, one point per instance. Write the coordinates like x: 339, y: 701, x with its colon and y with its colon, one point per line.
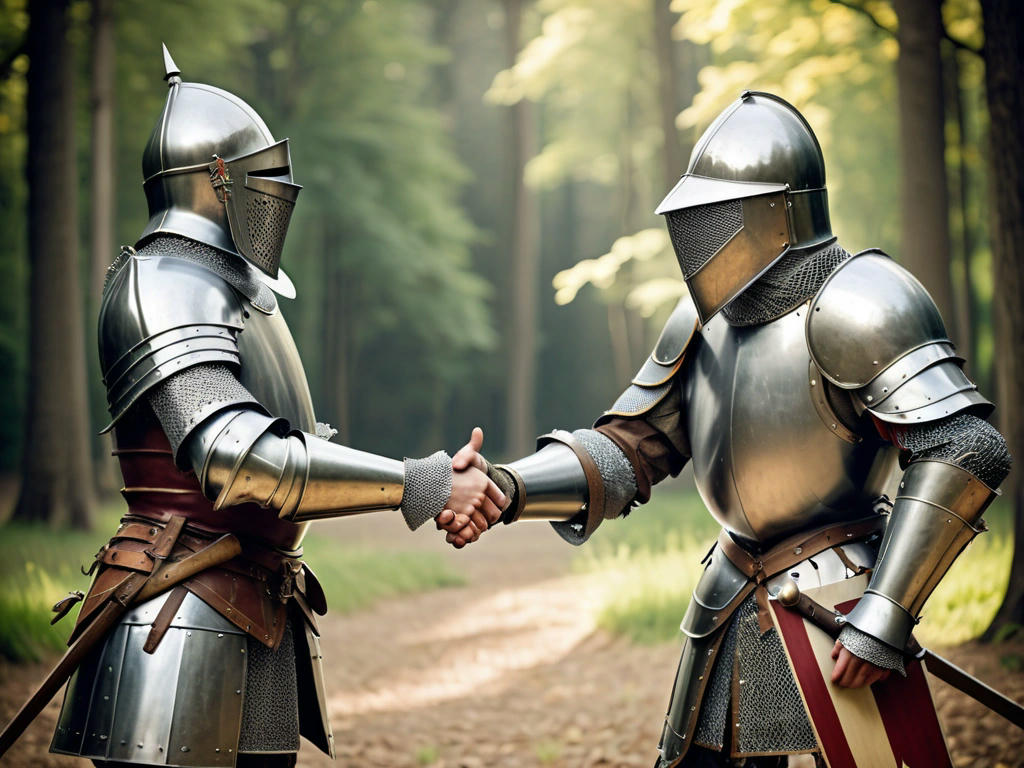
x: 180, y: 706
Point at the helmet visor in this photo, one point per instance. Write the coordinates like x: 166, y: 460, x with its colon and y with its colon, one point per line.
x: 723, y: 247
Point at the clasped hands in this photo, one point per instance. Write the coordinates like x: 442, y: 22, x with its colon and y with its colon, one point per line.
x: 475, y: 502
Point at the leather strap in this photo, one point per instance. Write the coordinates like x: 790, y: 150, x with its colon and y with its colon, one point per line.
x: 788, y: 552
x: 796, y: 549
x: 126, y: 558
x: 164, y: 618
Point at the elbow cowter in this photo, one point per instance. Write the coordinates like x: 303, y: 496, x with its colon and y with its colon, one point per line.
x: 244, y: 456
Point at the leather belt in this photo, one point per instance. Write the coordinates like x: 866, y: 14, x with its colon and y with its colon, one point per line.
x: 788, y: 552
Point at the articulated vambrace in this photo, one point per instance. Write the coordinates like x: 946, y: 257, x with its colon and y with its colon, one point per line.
x: 575, y: 480
x: 935, y: 515
x: 241, y: 455
x: 244, y: 456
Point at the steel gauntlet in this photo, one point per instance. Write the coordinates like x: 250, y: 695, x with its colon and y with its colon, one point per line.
x: 244, y: 456
x: 935, y: 515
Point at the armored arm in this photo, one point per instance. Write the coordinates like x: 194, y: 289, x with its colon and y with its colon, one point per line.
x: 168, y: 337
x: 243, y: 455
x: 874, y: 332
x: 576, y: 480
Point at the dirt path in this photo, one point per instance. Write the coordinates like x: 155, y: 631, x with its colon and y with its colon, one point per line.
x: 509, y: 671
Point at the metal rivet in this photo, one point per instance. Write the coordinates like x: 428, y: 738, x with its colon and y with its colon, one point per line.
x: 103, y: 737
x: 238, y: 691
x: 870, y: 398
x: 797, y: 550
x: 184, y: 748
x: 220, y: 634
x: 814, y: 382
x: 874, y: 362
x: 188, y: 634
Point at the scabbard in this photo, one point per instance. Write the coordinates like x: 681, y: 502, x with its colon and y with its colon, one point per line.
x: 136, y: 588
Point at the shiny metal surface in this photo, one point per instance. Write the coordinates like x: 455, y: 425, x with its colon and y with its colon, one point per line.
x: 259, y: 196
x: 244, y: 456
x: 752, y: 425
x: 718, y: 588
x: 933, y: 518
x: 882, y: 619
x: 158, y: 316
x: 759, y: 145
x: 313, y: 721
x: 180, y: 706
x: 199, y: 122
x: 272, y: 369
x: 339, y: 480
x: 692, y: 676
x: 675, y: 337
x: 762, y: 240
x: 868, y: 315
x: 551, y: 483
x: 822, y: 404
x: 932, y: 384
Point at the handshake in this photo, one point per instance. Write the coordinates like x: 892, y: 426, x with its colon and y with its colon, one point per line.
x: 475, y: 503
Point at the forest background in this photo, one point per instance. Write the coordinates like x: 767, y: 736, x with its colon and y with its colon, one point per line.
x: 475, y: 242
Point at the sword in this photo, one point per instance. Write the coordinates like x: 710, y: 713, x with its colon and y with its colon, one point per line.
x: 128, y: 594
x: 831, y: 622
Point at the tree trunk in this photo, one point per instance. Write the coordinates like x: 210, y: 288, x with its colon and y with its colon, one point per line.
x: 1004, y: 51
x: 668, y: 92
x: 965, y: 304
x: 101, y: 172
x: 926, y: 243
x: 57, y: 482
x: 101, y: 207
x: 338, y: 333
x: 522, y: 362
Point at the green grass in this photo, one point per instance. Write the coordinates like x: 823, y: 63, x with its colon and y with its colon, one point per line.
x: 38, y: 566
x: 650, y: 562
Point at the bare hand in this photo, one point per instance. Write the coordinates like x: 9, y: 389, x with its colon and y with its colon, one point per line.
x: 475, y: 502
x: 469, y: 454
x: 852, y: 671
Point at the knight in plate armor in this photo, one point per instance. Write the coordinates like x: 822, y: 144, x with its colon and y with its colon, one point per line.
x: 214, y: 429
x: 820, y: 401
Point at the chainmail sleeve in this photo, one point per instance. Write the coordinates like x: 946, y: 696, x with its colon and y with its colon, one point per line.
x: 965, y: 440
x: 186, y: 399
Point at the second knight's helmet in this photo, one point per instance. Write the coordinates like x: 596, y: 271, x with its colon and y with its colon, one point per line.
x: 213, y: 172
x: 754, y: 189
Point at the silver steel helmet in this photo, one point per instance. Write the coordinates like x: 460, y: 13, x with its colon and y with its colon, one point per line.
x: 214, y: 173
x: 754, y: 189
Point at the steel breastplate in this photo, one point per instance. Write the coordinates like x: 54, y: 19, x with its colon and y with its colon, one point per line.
x: 764, y: 461
x: 272, y: 371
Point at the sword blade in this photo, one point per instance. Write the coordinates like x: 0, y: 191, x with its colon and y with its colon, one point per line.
x: 984, y: 694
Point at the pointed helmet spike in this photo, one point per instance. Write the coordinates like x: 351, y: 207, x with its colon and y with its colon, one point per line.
x: 173, y: 74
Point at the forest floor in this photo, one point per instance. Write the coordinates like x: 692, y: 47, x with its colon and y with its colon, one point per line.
x: 510, y: 670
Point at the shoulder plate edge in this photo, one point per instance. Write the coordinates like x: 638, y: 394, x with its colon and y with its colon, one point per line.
x: 159, y: 316
x: 654, y: 379
x: 869, y: 314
